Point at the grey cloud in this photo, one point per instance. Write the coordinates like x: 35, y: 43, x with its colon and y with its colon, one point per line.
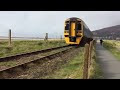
x: 37, y: 23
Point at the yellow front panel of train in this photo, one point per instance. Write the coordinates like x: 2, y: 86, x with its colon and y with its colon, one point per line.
x: 72, y: 29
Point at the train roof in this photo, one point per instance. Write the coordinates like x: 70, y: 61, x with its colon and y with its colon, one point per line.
x: 73, y: 19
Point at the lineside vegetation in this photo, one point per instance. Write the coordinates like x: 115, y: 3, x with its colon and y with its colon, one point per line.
x: 113, y: 46
x: 19, y: 47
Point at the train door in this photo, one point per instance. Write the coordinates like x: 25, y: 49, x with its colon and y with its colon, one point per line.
x: 72, y: 31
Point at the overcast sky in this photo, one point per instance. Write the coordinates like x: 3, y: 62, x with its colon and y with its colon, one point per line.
x: 37, y: 23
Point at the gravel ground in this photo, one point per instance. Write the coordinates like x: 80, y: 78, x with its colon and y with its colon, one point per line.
x: 47, y: 67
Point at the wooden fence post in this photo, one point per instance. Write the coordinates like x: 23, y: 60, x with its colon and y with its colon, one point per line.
x: 9, y: 41
x: 94, y: 42
x: 61, y: 37
x: 86, y: 58
x: 46, y: 36
x: 90, y: 52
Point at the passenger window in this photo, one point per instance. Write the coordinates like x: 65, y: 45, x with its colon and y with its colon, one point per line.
x: 67, y: 26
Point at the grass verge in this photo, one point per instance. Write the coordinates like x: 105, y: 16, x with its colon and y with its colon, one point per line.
x: 19, y: 47
x: 74, y: 68
x: 71, y: 70
x: 95, y: 70
x: 111, y: 46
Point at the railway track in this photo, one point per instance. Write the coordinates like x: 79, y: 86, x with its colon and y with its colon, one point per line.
x: 23, y: 61
x: 30, y: 53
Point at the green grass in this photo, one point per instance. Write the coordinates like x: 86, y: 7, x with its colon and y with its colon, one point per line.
x: 111, y: 46
x: 74, y: 68
x: 19, y: 47
x: 10, y: 64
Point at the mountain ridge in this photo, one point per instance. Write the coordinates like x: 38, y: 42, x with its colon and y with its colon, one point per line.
x: 112, y: 31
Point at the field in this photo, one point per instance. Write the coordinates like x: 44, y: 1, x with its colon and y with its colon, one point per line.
x: 25, y: 46
x: 68, y: 66
x: 113, y: 46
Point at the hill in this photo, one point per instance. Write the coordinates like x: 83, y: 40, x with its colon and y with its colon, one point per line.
x: 108, y: 32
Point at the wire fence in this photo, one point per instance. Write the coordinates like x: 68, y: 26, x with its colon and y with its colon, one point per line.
x: 44, y: 36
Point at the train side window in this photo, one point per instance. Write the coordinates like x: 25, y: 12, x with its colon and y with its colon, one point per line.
x: 67, y: 26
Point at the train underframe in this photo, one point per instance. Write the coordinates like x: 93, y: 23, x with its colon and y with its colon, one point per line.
x: 85, y: 40
x: 81, y: 41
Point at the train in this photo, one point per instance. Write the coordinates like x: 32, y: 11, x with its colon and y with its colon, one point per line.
x: 76, y: 32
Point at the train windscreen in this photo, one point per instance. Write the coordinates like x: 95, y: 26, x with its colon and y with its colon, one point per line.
x: 78, y: 26
x: 67, y: 26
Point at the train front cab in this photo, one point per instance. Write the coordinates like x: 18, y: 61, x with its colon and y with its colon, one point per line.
x: 73, y: 31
